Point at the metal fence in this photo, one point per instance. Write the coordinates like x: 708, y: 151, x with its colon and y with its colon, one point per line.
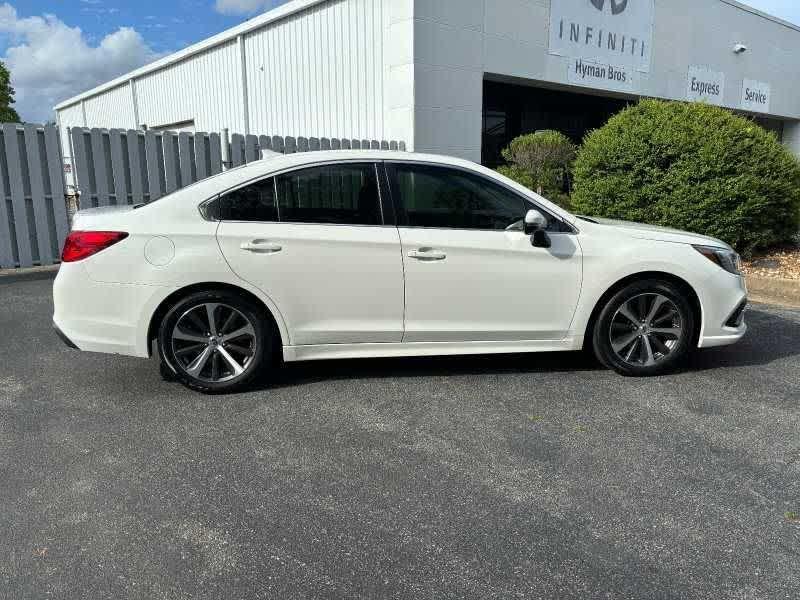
x: 117, y: 167
x: 133, y: 167
x: 114, y: 167
x: 33, y: 215
x: 246, y: 148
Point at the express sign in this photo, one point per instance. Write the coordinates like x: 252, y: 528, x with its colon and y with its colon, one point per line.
x: 618, y: 32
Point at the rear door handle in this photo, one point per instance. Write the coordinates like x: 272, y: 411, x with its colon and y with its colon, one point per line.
x: 427, y: 254
x: 261, y: 247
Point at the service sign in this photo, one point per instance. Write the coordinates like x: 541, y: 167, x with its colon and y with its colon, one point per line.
x: 756, y: 96
x: 705, y: 85
x: 599, y: 75
x: 616, y: 32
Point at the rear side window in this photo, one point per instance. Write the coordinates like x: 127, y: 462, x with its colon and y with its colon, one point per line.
x: 255, y: 203
x: 343, y: 194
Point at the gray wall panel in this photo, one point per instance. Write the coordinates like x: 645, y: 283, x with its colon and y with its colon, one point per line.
x: 14, y: 159
x: 55, y: 166
x: 37, y: 161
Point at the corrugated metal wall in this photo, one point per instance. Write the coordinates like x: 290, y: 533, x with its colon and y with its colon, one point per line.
x: 113, y: 108
x: 320, y: 72
x: 69, y: 117
x: 205, y: 88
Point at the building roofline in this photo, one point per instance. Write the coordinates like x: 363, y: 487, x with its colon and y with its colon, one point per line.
x: 762, y: 14
x: 276, y: 14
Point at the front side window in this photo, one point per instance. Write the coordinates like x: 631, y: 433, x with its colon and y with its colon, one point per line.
x: 445, y: 198
x: 343, y: 194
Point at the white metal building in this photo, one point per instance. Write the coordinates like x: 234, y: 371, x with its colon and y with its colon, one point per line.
x: 460, y: 77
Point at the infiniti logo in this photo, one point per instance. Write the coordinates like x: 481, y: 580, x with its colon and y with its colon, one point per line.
x: 596, y: 34
x: 617, y: 6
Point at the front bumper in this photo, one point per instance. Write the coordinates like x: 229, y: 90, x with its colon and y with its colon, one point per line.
x: 724, y: 308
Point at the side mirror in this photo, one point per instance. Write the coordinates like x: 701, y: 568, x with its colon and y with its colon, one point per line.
x: 534, y: 221
x: 540, y: 239
x: 535, y: 226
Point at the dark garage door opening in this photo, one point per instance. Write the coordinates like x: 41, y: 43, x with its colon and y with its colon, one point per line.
x: 511, y: 110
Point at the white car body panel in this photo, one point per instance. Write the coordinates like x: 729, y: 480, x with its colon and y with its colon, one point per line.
x: 335, y: 284
x: 347, y: 292
x: 481, y: 290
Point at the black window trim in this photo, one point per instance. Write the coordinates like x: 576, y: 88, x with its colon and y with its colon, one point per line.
x: 382, y: 190
x: 396, y: 209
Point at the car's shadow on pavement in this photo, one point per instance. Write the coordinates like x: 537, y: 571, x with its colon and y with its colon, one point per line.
x: 438, y: 366
x: 770, y: 338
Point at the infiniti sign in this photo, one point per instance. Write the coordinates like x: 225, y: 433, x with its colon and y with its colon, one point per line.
x: 612, y: 32
x: 617, y: 6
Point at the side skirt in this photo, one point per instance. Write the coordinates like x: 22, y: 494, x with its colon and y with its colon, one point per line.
x: 340, y: 351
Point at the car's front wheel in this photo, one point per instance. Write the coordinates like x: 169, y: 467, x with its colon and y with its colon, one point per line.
x: 215, y: 341
x: 645, y: 329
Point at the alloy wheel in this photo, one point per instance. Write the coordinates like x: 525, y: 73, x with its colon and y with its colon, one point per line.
x: 646, y: 330
x: 214, y: 342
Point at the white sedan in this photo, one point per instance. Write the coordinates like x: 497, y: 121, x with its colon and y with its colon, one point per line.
x: 349, y: 254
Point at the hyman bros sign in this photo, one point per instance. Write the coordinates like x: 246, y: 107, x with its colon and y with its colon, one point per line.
x: 609, y: 41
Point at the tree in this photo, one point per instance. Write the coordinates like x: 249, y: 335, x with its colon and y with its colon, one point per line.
x: 7, y: 112
x: 542, y: 162
x: 691, y: 166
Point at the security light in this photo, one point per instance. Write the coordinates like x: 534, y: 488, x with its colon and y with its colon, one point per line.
x: 739, y: 49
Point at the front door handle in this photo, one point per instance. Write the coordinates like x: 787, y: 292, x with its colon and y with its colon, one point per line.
x: 427, y: 254
x: 261, y: 247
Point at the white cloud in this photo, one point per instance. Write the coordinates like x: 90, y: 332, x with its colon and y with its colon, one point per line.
x: 243, y: 7
x: 50, y: 62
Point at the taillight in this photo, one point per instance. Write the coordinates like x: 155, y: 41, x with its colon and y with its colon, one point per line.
x: 83, y: 244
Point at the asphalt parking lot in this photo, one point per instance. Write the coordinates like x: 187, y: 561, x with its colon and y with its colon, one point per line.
x: 501, y: 477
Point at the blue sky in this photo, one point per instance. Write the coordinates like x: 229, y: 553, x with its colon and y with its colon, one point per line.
x: 58, y: 48
x: 166, y: 25
x: 788, y: 10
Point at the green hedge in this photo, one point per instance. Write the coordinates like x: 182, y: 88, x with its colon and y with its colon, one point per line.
x: 694, y: 167
x: 541, y: 162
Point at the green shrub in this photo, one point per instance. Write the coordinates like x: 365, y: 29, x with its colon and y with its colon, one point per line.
x: 541, y: 162
x: 694, y: 167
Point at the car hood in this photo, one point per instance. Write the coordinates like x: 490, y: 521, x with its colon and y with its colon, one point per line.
x: 657, y: 233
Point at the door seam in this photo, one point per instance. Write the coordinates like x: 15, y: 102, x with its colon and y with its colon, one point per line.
x: 405, y: 284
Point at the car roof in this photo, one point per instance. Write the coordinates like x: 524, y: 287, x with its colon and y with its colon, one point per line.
x: 304, y: 158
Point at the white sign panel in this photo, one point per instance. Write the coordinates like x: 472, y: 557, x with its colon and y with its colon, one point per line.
x: 756, y: 96
x: 705, y: 85
x: 600, y: 75
x: 618, y: 32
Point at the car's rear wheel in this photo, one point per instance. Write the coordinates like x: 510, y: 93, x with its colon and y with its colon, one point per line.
x: 645, y: 329
x: 215, y: 342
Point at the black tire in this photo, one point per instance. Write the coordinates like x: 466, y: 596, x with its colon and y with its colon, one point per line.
x: 652, y: 350
x: 260, y: 345
x: 166, y: 372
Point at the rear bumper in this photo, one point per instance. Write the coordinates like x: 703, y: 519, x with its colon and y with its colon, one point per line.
x: 109, y: 318
x: 67, y: 342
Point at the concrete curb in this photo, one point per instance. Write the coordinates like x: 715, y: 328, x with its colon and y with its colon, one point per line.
x: 31, y: 274
x: 771, y: 290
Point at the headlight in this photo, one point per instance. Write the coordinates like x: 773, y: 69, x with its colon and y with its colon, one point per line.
x: 727, y: 259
